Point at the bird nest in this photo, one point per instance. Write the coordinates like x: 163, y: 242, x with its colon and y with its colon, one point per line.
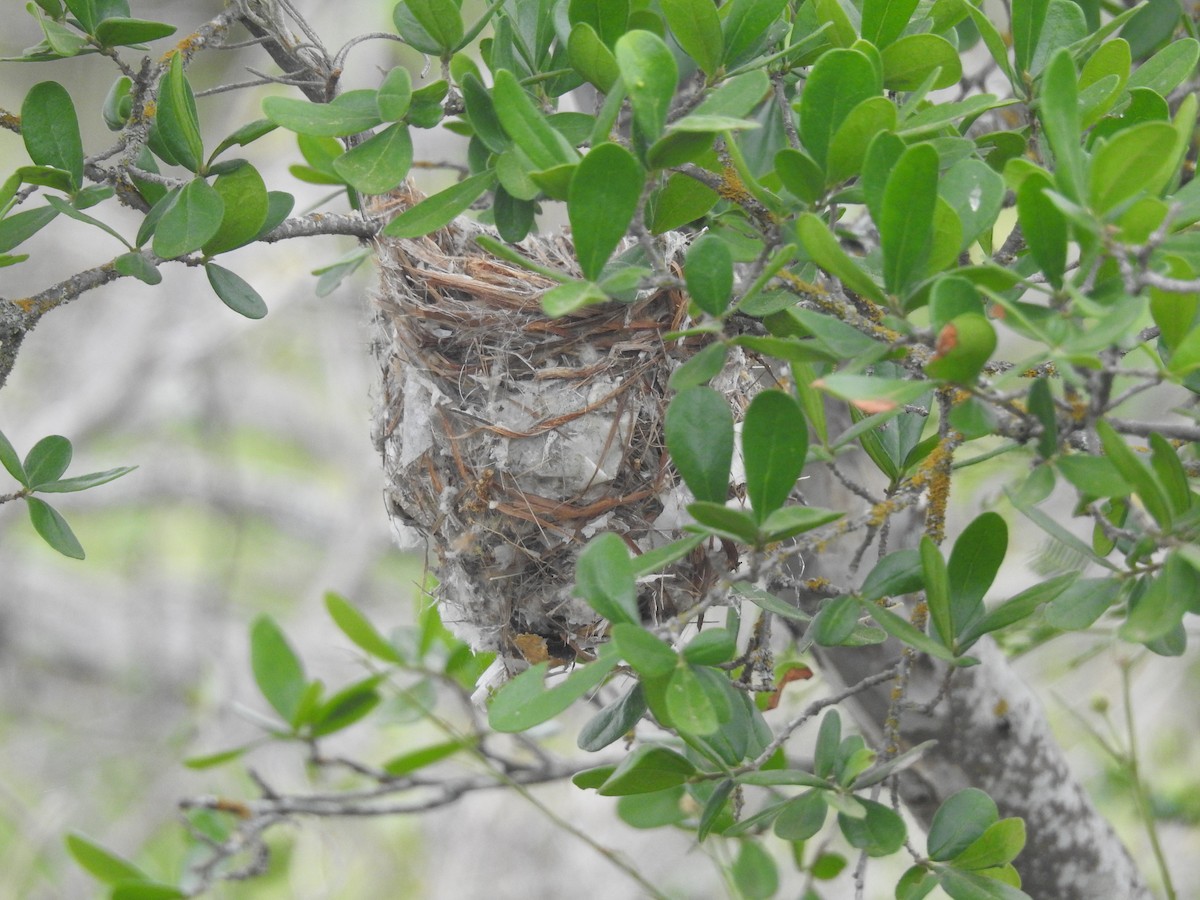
x: 509, y: 438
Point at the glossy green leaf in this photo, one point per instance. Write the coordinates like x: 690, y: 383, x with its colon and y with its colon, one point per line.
x: 83, y: 482
x: 711, y: 647
x: 1145, y: 483
x: 190, y: 222
x: 745, y: 25
x: 526, y: 701
x: 699, y: 435
x: 103, y: 865
x: 574, y: 295
x: 848, y: 148
x: 696, y: 27
x: 19, y: 227
x: 441, y: 20
x: 898, y: 573
x: 937, y: 590
x: 649, y: 656
x: 359, y: 629
x: 913, y: 58
x: 277, y: 670
x: 47, y: 460
x: 974, y: 563
x: 380, y: 163
x: 689, y: 705
x: 827, y: 252
x: 650, y: 767
x: 11, y: 460
x: 724, y: 521
x: 608, y: 18
x: 885, y: 20
x: 1166, y: 69
x: 1028, y: 18
x: 654, y: 810
x: 708, y: 271
x: 880, y: 832
x: 1044, y: 226
x: 649, y: 72
x: 53, y: 528
x: 395, y: 95
x: 999, y: 844
x: 834, y: 622
x: 349, y: 113
x: 838, y: 82
x: 904, y: 631
x: 120, y: 31
x: 976, y: 193
x: 1058, y: 108
x: 960, y: 885
x: 235, y: 292
x: 1162, y: 607
x: 616, y: 720
x: 526, y: 125
x: 906, y: 223
x: 802, y: 817
x: 604, y: 195
x: 177, y: 121
x: 50, y: 129
x: 961, y: 820
x: 439, y: 209
x: 800, y: 174
x: 1135, y: 160
x: 592, y: 58
x: 774, y: 446
x: 604, y: 578
x: 246, y: 204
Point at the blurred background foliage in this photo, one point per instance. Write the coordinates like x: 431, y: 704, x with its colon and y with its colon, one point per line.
x: 258, y: 490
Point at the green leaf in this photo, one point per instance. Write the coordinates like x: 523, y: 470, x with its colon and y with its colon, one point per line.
x: 439, y: 210
x: 976, y: 193
x: 701, y: 368
x: 724, y: 521
x: 1136, y: 159
x: 653, y: 810
x: 1162, y: 607
x: 681, y: 200
x: 124, y: 32
x: 711, y: 647
x: 1016, y: 608
x: 1166, y: 69
x: 574, y: 295
x: 754, y: 872
x: 347, y: 706
x: 880, y: 832
x: 279, y: 207
x: 1058, y: 108
x: 974, y: 562
x: 441, y: 20
x: 937, y: 590
x: 802, y: 817
x: 277, y: 670
x: 190, y: 222
x: 604, y: 578
x: 906, y: 223
x: 650, y: 74
x: 649, y: 656
x: 872, y: 394
x: 11, y: 461
x: 378, y: 164
x: 774, y: 445
x: 999, y: 844
x: 746, y: 23
x: 1171, y: 474
x: 50, y: 129
x: 689, y: 705
x: 246, y: 205
x: 838, y: 82
x: 592, y: 58
x: 898, y: 573
x: 617, y: 719
x: 212, y: 760
x: 885, y: 20
x: 542, y: 143
x: 1142, y: 478
x: 827, y: 253
x: 60, y: 40
x: 359, y: 629
x: 1082, y: 603
x: 793, y: 520
x: 349, y: 113
x: 961, y: 885
x: 708, y: 270
x: 649, y: 768
x: 1028, y: 18
x: 834, y: 622
x: 903, y: 631
x: 848, y: 148
x: 696, y: 27
x: 964, y: 345
x: 102, y: 864
x: 961, y: 820
x: 525, y: 701
x: 47, y: 460
x: 1044, y: 226
x: 53, y: 528
x: 911, y: 60
x: 176, y: 117
x: 68, y: 210
x: 603, y: 199
x: 19, y: 227
x: 414, y: 760
x: 699, y: 435
x: 235, y: 292
x: 800, y: 174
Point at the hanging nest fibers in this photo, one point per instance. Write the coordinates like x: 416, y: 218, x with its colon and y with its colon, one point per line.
x: 509, y: 438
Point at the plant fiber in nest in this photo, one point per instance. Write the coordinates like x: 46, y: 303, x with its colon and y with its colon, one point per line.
x: 509, y: 438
